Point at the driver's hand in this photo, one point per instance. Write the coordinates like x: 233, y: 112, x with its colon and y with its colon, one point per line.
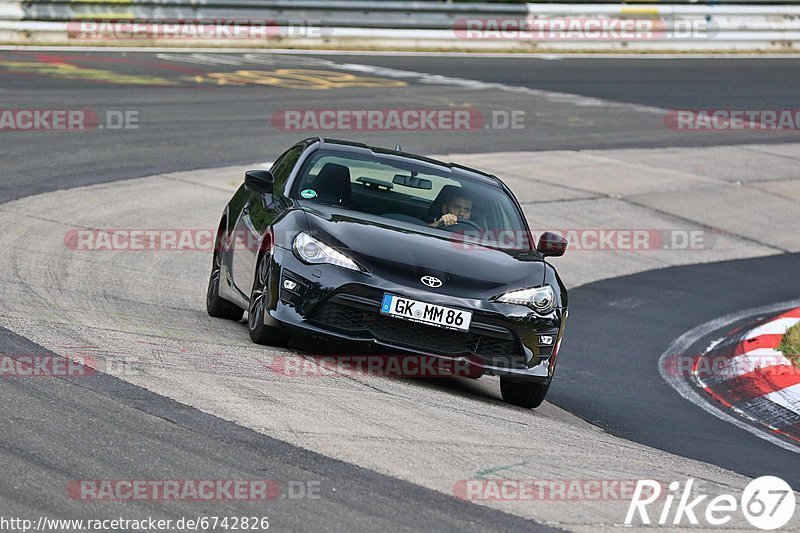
x: 447, y: 220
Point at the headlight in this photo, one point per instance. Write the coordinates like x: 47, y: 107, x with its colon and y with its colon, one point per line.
x: 310, y: 250
x: 540, y: 299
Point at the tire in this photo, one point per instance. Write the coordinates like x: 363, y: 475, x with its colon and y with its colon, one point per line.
x: 217, y: 306
x: 521, y: 393
x: 260, y: 333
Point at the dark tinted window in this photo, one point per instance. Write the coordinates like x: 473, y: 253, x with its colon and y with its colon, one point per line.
x: 283, y: 167
x: 409, y: 194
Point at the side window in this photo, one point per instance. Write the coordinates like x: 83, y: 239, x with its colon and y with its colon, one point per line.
x: 283, y: 167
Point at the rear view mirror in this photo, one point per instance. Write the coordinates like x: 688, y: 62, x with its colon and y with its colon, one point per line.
x: 551, y: 245
x: 413, y: 182
x: 260, y: 181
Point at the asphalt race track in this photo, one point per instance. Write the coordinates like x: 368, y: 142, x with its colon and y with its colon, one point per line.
x: 201, y: 112
x: 188, y: 120
x: 636, y: 316
x: 57, y: 428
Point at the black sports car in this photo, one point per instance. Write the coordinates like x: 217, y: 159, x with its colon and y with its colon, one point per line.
x: 366, y: 244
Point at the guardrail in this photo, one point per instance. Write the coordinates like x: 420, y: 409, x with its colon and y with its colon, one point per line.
x: 543, y: 26
x: 353, y: 13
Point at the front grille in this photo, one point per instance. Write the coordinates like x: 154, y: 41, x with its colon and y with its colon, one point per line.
x: 349, y: 319
x: 421, y: 336
x: 494, y: 347
x: 341, y: 317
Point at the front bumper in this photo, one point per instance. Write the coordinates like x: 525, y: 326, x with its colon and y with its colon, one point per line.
x: 328, y: 301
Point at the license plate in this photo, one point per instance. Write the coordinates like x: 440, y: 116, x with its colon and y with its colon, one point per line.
x: 435, y: 315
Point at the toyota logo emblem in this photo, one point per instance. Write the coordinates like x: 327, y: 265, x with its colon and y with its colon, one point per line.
x: 431, y: 281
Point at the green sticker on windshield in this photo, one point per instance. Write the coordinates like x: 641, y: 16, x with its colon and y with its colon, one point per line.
x: 308, y: 193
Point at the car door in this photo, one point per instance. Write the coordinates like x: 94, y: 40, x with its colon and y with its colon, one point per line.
x: 258, y: 214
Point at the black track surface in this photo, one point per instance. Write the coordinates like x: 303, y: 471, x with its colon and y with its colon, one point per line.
x: 608, y: 369
x: 200, y: 125
x: 54, y: 431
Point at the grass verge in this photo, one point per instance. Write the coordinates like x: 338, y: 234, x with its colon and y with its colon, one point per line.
x: 790, y: 344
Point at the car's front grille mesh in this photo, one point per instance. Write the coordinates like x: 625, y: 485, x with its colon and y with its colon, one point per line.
x: 421, y: 336
x: 339, y: 316
x: 414, y: 335
x: 494, y: 347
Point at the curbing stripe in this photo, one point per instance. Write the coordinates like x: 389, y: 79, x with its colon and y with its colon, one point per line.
x: 741, y: 365
x: 758, y: 382
x: 762, y: 342
x: 773, y: 327
x: 788, y: 397
x: 761, y: 382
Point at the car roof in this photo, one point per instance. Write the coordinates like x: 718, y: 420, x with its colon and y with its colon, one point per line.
x: 360, y: 148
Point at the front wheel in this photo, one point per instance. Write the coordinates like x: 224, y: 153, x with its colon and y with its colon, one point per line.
x: 217, y: 306
x: 260, y: 333
x: 521, y: 393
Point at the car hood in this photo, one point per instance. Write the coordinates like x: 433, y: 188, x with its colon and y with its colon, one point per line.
x: 402, y: 253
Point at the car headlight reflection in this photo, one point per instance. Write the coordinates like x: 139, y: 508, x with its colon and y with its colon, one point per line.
x: 540, y: 299
x: 312, y: 251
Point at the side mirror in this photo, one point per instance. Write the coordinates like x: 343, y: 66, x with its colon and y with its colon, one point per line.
x: 551, y: 245
x: 260, y: 181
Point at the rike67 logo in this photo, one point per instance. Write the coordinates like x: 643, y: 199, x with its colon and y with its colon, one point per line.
x: 767, y: 503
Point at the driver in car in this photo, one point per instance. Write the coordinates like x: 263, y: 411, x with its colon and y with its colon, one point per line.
x: 457, y: 207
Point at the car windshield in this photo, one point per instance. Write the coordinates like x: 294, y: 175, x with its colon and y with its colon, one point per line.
x: 413, y: 194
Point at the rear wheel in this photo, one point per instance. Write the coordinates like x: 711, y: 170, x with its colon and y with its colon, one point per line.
x: 521, y: 393
x: 260, y: 333
x: 217, y: 306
